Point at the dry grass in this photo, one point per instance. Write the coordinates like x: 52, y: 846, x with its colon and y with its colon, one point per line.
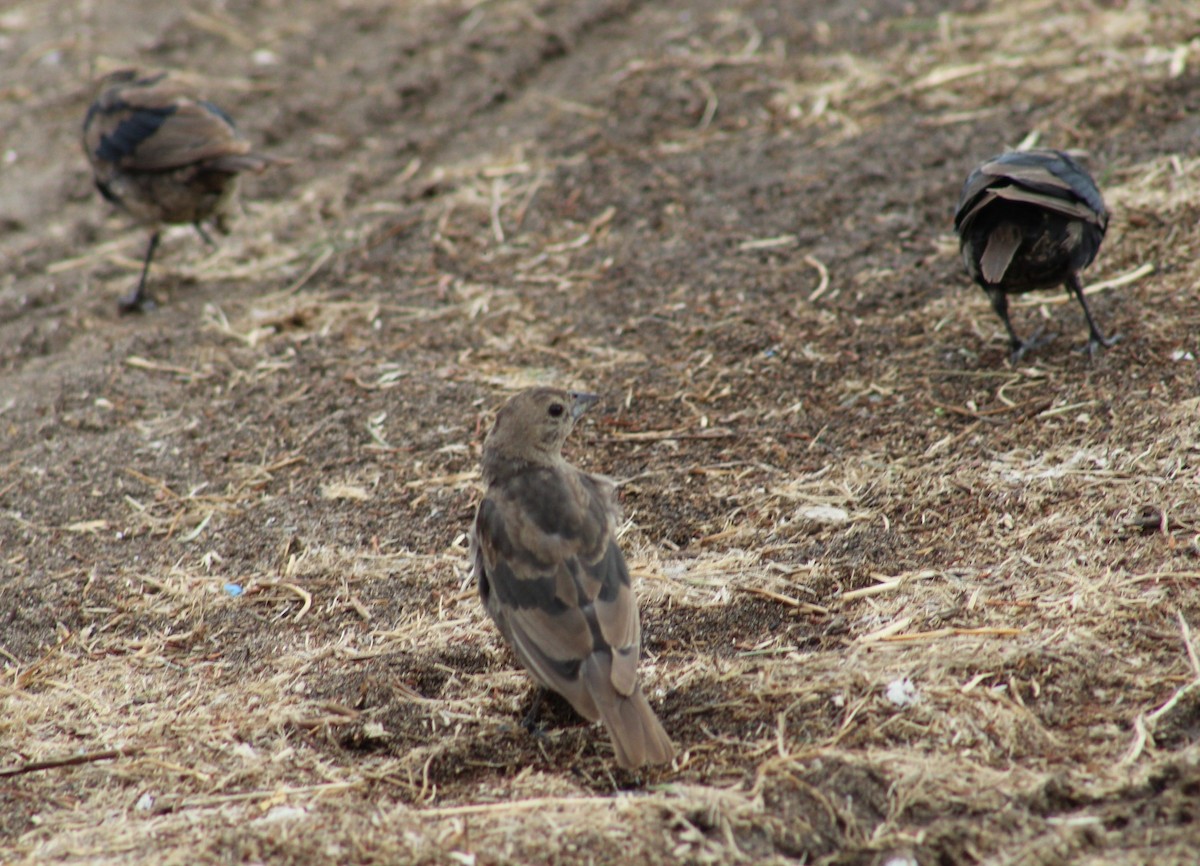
x: 238, y: 622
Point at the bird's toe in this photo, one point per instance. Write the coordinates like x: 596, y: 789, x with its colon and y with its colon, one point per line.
x: 1097, y: 342
x: 1037, y: 341
x: 135, y: 303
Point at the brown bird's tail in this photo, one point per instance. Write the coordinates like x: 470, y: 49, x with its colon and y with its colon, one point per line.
x: 637, y: 735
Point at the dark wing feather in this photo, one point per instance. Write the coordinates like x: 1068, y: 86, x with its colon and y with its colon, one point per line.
x: 554, y: 579
x: 1067, y: 207
x: 1046, y: 178
x: 139, y: 127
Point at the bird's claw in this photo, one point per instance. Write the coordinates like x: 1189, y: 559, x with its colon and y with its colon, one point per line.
x: 1040, y: 338
x: 1097, y: 342
x: 135, y: 302
x: 531, y: 718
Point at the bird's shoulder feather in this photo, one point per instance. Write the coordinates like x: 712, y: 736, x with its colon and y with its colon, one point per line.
x: 155, y: 128
x: 550, y: 568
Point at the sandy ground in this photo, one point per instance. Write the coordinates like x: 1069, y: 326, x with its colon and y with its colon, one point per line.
x: 900, y: 599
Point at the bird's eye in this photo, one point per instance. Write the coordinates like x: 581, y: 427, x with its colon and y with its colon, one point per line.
x: 556, y: 410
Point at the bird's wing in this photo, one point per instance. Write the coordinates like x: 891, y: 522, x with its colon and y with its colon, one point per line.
x: 1072, y: 207
x: 1035, y: 174
x: 972, y: 198
x: 152, y: 128
x: 1045, y: 178
x: 1068, y: 207
x: 1053, y: 173
x: 553, y: 577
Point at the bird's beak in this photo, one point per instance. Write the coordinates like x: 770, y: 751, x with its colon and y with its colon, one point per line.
x: 581, y: 402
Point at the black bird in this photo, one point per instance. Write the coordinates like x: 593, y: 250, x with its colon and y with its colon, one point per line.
x: 163, y: 157
x: 1031, y: 220
x: 552, y: 577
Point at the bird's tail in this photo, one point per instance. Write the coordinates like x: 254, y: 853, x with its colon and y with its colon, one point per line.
x: 637, y: 735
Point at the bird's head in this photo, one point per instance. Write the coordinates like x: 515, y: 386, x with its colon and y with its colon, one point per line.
x: 533, y: 425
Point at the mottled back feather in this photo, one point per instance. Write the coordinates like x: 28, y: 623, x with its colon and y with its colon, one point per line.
x: 552, y: 577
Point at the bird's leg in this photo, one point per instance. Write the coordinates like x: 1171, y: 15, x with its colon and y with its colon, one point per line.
x: 136, y: 301
x: 530, y: 722
x: 204, y: 234
x: 1019, y: 347
x: 1000, y: 305
x: 1096, y: 338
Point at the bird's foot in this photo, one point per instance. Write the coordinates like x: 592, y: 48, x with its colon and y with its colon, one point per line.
x: 530, y: 722
x: 1039, y: 339
x: 135, y: 302
x: 1098, y: 342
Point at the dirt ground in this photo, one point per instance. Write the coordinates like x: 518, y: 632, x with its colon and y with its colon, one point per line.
x: 236, y: 621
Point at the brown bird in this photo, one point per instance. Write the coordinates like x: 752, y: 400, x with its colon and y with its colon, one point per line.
x: 164, y: 157
x: 552, y: 577
x: 1031, y: 220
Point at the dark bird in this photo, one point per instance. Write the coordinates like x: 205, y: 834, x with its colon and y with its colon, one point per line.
x: 552, y: 577
x: 1031, y: 220
x: 163, y: 157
